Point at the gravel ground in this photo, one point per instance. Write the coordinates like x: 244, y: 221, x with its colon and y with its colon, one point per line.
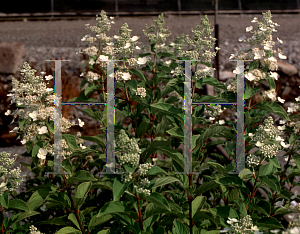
x: 68, y: 34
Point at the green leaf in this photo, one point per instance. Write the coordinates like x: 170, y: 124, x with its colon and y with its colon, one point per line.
x: 153, y: 209
x: 95, y: 139
x: 274, y: 108
x: 271, y: 182
x: 197, y: 204
x: 68, y: 230
x: 293, y: 138
x: 176, y: 132
x: 262, y: 206
x: 90, y: 89
x: 83, y: 189
x: 241, y: 207
x: 22, y: 123
x: 116, y: 207
x: 73, y: 219
x: 61, y: 198
x: 163, y: 181
x: 38, y: 198
x: 233, y: 195
x: 82, y: 98
x: 249, y: 92
x: 173, y: 154
x: 18, y: 204
x: 143, y: 127
x: 104, y: 232
x: 204, y: 214
x: 81, y: 176
x: 206, y: 186
x: 212, y: 131
x: 118, y: 189
x: 169, y: 109
x: 50, y: 126
x: 71, y: 140
x: 157, y: 199
x: 59, y: 221
x: 269, y: 222
x: 213, y: 82
x: 4, y: 199
x: 271, y: 83
x: 132, y: 84
x: 20, y: 216
x: 156, y: 171
x: 266, y: 169
x: 208, y: 98
x: 95, y: 221
x: 138, y: 74
x: 224, y: 211
x: 275, y: 162
x: 180, y: 228
x: 36, y: 148
x: 253, y: 65
x: 166, y: 54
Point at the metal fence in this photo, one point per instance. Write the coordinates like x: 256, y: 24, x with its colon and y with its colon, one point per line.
x: 33, y: 6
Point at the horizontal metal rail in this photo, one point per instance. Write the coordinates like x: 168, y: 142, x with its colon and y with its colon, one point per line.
x: 91, y: 14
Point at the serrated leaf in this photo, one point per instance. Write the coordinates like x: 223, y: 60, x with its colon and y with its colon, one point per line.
x: 157, y: 199
x: 269, y: 222
x: 197, y: 204
x: 83, y: 189
x: 156, y: 171
x: 213, y: 82
x: 118, y: 189
x: 249, y: 92
x: 274, y: 108
x: 68, y: 230
x: 18, y: 204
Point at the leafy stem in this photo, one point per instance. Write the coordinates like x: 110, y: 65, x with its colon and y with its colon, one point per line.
x: 76, y: 211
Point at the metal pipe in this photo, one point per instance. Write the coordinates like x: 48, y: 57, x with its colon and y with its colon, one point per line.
x: 217, y: 42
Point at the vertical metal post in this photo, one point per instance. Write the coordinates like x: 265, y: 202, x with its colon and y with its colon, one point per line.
x: 52, y: 7
x: 117, y: 8
x: 217, y: 42
x: 240, y: 5
x: 179, y: 7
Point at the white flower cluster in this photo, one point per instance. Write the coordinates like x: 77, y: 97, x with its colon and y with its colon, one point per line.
x: 158, y: 35
x: 125, y: 44
x: 243, y: 226
x: 213, y: 111
x: 255, y: 75
x: 202, y: 42
x: 178, y: 71
x: 252, y: 160
x: 293, y: 108
x: 122, y: 76
x: 11, y: 176
x: 39, y: 109
x: 143, y: 168
x: 201, y: 73
x: 265, y: 134
x: 127, y: 149
x: 141, y: 92
x: 231, y: 85
x: 271, y: 94
x: 92, y: 76
x: 260, y: 48
x: 142, y: 190
x: 34, y: 230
